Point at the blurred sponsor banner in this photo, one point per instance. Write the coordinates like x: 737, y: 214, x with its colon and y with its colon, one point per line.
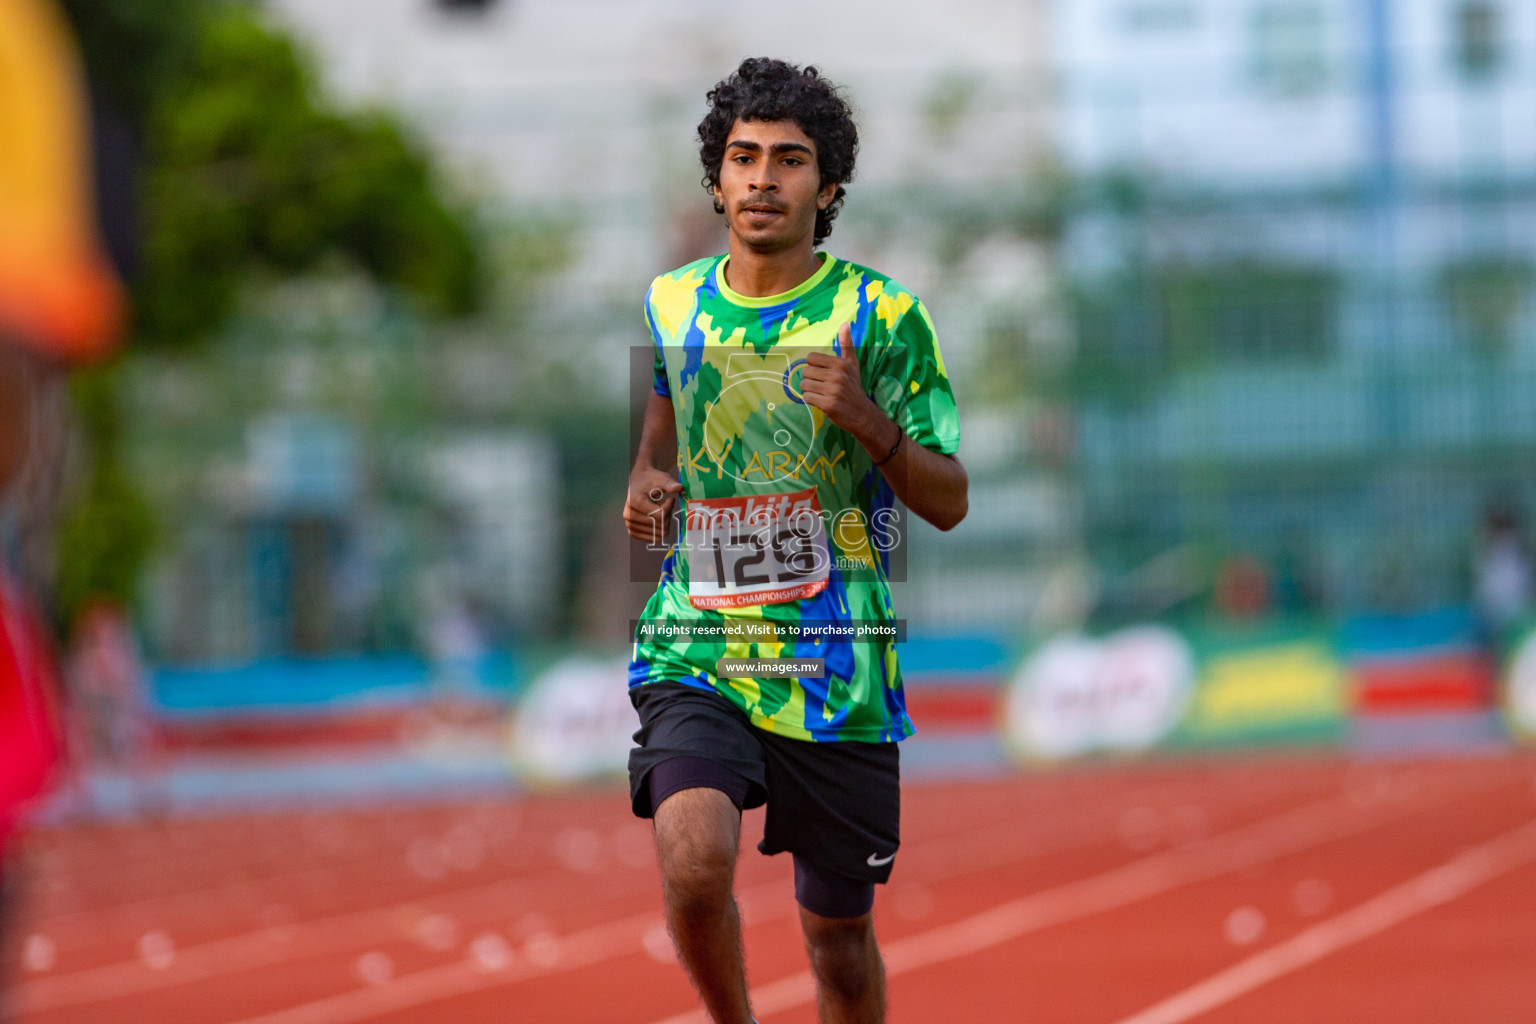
x: 332, y: 701
x: 575, y: 722
x: 1422, y: 681
x: 1434, y: 661
x: 1383, y: 681
x: 1123, y: 693
x: 1280, y: 682
x: 952, y: 682
x: 1151, y: 686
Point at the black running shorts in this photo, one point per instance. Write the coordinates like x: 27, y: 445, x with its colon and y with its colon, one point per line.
x: 836, y: 806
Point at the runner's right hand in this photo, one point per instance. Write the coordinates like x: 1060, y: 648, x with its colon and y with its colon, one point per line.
x: 648, y: 505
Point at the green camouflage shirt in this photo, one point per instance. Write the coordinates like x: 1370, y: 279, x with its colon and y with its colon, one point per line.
x: 750, y: 446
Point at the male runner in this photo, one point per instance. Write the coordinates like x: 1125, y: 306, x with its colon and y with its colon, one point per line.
x: 797, y: 394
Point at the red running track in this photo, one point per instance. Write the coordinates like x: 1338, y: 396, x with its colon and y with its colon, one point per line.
x: 1262, y: 890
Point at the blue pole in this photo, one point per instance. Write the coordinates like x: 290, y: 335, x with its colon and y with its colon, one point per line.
x: 1379, y: 122
x: 1380, y: 112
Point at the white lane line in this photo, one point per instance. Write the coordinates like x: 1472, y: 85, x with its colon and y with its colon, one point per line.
x: 269, y: 946
x: 1236, y: 849
x: 1037, y: 804
x: 579, y: 949
x: 1433, y: 888
x: 1272, y: 837
x: 264, y: 947
x: 1291, y: 832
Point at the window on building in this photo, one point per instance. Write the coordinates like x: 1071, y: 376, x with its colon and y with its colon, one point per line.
x: 1249, y: 312
x: 1477, y: 38
x: 1183, y: 316
x: 1290, y: 47
x: 1158, y: 16
x: 464, y: 6
x: 1487, y: 296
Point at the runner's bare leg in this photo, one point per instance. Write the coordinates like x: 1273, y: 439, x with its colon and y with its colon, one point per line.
x: 850, y: 976
x: 697, y: 833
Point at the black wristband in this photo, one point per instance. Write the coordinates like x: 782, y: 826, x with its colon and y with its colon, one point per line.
x: 901, y: 435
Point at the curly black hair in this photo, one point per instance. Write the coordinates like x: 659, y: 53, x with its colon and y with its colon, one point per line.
x: 763, y: 89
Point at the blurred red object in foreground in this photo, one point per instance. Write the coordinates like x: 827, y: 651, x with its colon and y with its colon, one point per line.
x: 60, y: 299
x: 30, y: 738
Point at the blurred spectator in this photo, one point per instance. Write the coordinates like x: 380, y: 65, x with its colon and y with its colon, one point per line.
x: 111, y: 712
x: 1503, y: 575
x: 1300, y: 585
x: 457, y: 647
x: 1242, y: 588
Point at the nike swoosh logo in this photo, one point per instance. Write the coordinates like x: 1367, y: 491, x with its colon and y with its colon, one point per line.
x: 876, y: 862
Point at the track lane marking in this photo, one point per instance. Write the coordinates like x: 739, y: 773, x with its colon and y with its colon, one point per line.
x: 265, y: 947
x: 375, y: 834
x: 1432, y: 889
x: 90, y: 919
x: 262, y: 947
x: 1291, y: 832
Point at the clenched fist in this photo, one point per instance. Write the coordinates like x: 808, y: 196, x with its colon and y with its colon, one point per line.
x: 648, y: 505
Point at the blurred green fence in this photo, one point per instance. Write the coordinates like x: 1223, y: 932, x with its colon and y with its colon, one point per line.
x: 1260, y: 377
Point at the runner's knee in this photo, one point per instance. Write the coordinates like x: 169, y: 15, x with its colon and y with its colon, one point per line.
x: 696, y: 837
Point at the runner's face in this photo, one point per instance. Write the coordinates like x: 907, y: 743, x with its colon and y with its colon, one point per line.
x: 770, y: 185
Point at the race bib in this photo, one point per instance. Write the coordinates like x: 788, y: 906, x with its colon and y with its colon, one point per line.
x: 763, y: 549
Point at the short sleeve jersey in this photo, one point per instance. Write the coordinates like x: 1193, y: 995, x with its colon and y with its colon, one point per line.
x: 729, y: 364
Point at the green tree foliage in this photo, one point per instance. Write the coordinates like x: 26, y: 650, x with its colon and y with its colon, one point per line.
x: 247, y: 173
x: 134, y: 50
x: 106, y: 535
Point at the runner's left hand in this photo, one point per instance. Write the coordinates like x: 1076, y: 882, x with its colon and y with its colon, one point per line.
x: 833, y: 384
